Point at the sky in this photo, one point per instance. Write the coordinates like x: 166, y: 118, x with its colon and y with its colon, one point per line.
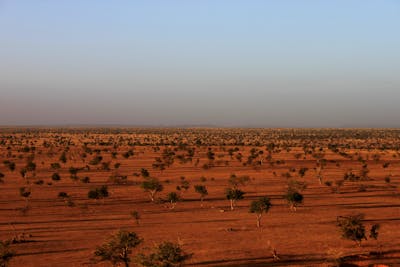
x: 229, y: 63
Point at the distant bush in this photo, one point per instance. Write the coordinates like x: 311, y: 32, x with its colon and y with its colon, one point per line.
x: 63, y: 157
x: 85, y: 180
x: 10, y: 165
x: 30, y: 166
x: 145, y: 173
x: 96, y: 160
x: 97, y: 193
x: 55, y: 166
x: 62, y: 195
x: 39, y: 182
x: 350, y: 176
x: 136, y: 216
x: 56, y: 177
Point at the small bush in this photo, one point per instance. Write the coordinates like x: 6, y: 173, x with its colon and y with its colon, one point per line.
x: 136, y: 216
x: 97, y: 193
x: 166, y: 254
x: 55, y: 166
x: 62, y: 195
x: 352, y: 227
x: 39, y: 182
x: 294, y: 198
x: 56, y: 177
x: 85, y: 180
x: 118, y: 248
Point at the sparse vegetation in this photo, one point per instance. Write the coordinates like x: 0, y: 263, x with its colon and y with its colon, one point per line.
x: 260, y: 206
x: 118, y: 248
x: 152, y: 186
x: 166, y: 254
x: 202, y: 190
x: 136, y: 216
x: 294, y: 198
x: 260, y: 162
x: 173, y: 198
x: 6, y: 254
x: 352, y: 227
x: 98, y: 193
x: 234, y: 195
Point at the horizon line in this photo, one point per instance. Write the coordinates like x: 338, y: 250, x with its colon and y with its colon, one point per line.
x: 188, y: 126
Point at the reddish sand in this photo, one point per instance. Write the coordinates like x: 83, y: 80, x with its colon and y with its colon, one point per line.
x: 59, y: 235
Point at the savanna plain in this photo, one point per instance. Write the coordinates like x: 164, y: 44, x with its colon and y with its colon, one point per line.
x: 199, y: 197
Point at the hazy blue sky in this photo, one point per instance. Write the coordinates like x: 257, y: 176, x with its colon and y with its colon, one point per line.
x: 233, y: 63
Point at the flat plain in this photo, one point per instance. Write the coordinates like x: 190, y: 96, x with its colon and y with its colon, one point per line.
x: 339, y: 172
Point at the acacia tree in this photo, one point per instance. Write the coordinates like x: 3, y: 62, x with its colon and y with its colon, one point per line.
x: 118, y: 248
x: 173, y: 198
x: 321, y: 162
x: 294, y: 198
x: 233, y: 195
x: 166, y: 254
x: 352, y: 227
x: 235, y: 181
x: 260, y: 206
x: 152, y: 186
x: 202, y: 190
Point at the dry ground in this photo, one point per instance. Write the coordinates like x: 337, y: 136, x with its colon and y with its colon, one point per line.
x: 60, y: 235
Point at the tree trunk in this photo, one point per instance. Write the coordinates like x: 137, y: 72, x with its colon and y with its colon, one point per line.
x: 258, y: 220
x: 292, y: 207
x: 320, y: 179
x: 124, y: 256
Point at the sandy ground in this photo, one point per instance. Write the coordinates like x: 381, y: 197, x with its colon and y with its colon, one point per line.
x: 59, y: 235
